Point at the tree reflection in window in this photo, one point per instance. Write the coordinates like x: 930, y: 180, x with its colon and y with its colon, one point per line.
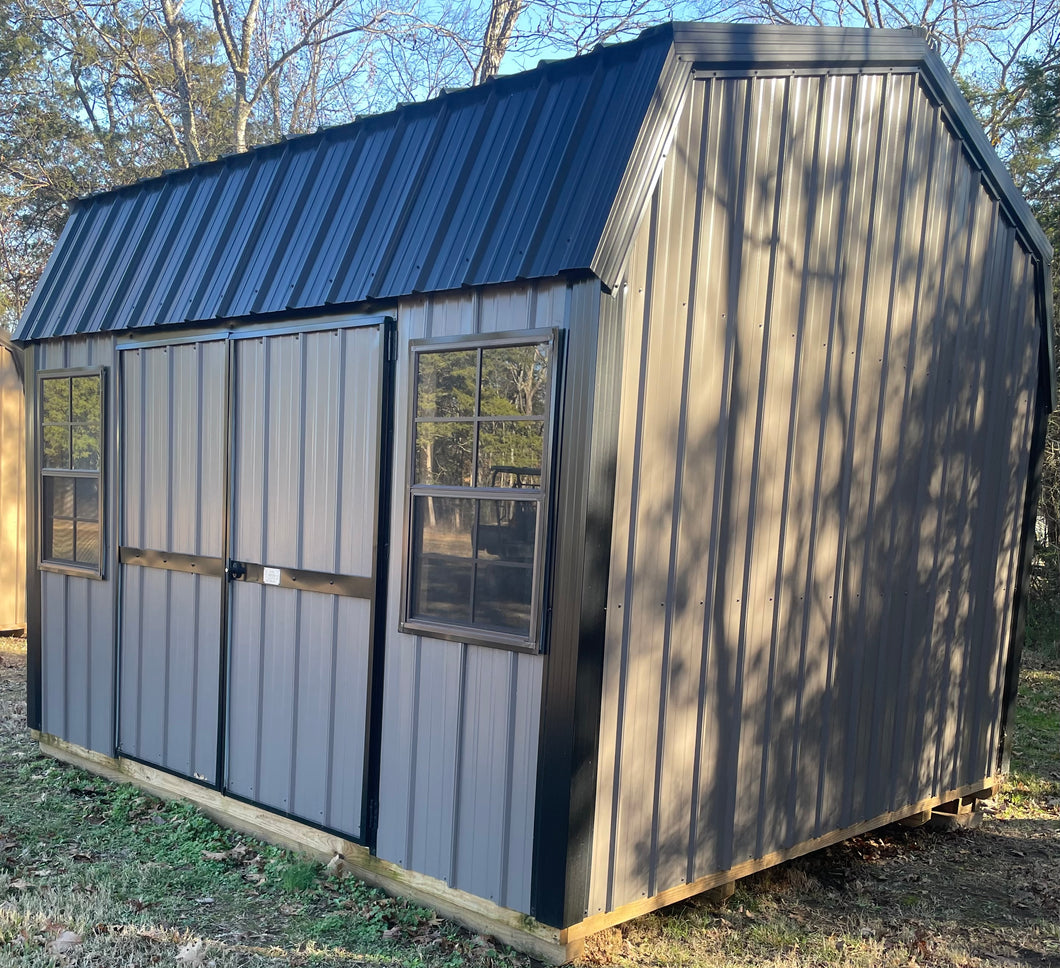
x: 71, y: 434
x: 479, y: 431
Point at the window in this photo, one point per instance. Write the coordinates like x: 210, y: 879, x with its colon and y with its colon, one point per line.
x: 71, y: 485
x: 477, y: 501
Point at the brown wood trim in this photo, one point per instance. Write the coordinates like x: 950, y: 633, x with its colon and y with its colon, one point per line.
x: 351, y: 586
x: 511, y: 927
x: 598, y: 922
x: 171, y: 561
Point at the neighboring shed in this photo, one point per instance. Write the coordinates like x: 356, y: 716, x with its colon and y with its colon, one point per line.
x: 12, y: 490
x: 577, y: 491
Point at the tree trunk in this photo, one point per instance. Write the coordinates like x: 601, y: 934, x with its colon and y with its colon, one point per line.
x: 175, y: 36
x: 498, y: 35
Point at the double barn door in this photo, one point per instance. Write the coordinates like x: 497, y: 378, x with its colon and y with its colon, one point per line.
x: 250, y: 509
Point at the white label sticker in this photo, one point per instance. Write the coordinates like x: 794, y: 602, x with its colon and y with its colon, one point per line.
x: 270, y: 576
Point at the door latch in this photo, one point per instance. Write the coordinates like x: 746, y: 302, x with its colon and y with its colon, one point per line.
x: 236, y: 570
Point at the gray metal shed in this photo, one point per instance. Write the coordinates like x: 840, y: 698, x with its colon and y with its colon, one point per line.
x: 560, y: 497
x: 12, y: 490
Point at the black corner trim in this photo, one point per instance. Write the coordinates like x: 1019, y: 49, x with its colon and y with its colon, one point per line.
x: 34, y: 673
x: 384, y: 471
x: 571, y: 701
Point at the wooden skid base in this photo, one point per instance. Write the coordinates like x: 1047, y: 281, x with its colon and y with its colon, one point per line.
x: 598, y: 922
x: 521, y: 931
x: 510, y: 927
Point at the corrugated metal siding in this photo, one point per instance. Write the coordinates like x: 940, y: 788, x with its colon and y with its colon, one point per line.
x: 305, y: 463
x: 77, y: 614
x: 12, y: 495
x: 822, y: 461
x: 460, y: 722
x: 173, y: 440
x: 511, y: 180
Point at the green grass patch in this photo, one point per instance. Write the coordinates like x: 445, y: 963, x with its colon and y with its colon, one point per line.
x: 136, y: 878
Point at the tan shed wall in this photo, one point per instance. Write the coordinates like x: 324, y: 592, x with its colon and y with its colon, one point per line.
x: 12, y: 497
x: 827, y: 389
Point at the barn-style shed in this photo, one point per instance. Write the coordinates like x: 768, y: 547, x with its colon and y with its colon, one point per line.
x: 562, y: 496
x: 12, y: 489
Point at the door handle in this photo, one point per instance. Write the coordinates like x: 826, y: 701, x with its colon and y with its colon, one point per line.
x: 236, y: 570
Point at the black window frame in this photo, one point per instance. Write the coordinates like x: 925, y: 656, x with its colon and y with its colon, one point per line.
x: 534, y: 641
x: 62, y: 565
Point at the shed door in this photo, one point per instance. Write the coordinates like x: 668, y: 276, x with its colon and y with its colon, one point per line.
x: 172, y: 555
x: 305, y: 473
x: 249, y: 565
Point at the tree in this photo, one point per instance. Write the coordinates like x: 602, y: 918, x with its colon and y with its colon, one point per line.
x: 1033, y: 139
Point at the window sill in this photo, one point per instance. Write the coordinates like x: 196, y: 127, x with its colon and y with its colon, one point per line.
x: 73, y: 571
x: 469, y: 636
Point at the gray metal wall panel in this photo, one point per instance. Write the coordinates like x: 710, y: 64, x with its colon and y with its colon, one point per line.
x: 12, y: 495
x: 460, y: 722
x: 822, y: 458
x: 77, y: 614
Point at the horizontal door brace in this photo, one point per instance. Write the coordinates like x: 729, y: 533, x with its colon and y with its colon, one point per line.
x: 349, y: 586
x: 171, y: 561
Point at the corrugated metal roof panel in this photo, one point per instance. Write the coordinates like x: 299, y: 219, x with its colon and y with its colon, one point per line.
x: 480, y: 186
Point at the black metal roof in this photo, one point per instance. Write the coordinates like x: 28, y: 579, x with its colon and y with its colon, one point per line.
x: 529, y: 176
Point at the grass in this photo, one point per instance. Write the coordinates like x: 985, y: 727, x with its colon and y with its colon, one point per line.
x: 92, y: 873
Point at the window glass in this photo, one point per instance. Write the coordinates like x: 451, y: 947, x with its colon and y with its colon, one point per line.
x: 507, y: 530
x: 510, y: 453
x: 445, y: 384
x: 71, y: 468
x: 56, y: 401
x: 86, y: 544
x: 86, y: 498
x: 442, y: 590
x: 479, y: 426
x: 444, y: 452
x: 515, y: 381
x: 444, y: 526
x: 56, y: 445
x: 59, y: 540
x: 502, y: 598
x: 59, y: 497
x: 85, y: 448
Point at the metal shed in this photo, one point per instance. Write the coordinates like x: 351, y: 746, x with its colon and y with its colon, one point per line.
x: 12, y: 490
x: 560, y: 497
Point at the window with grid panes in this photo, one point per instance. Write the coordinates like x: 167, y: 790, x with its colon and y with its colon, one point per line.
x: 71, y: 469
x: 477, y: 502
